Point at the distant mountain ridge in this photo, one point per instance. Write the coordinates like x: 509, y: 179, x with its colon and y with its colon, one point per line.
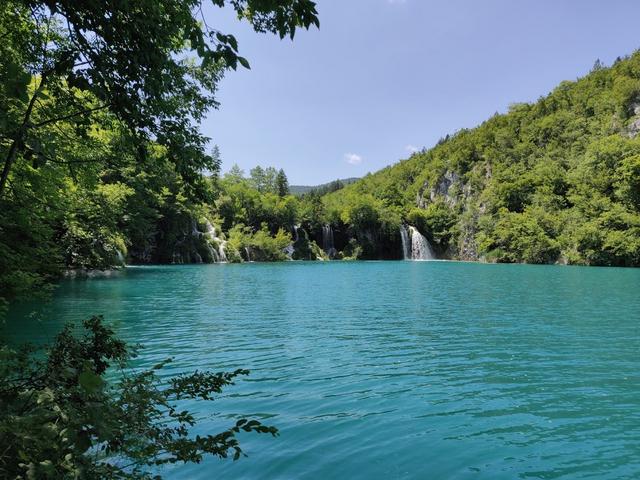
x: 302, y: 189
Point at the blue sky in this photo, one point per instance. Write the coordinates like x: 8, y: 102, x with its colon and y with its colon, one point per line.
x: 383, y: 77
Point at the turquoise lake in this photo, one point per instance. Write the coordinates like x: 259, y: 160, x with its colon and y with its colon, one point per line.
x: 385, y: 370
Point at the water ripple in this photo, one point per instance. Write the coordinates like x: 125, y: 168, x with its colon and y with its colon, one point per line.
x: 392, y: 369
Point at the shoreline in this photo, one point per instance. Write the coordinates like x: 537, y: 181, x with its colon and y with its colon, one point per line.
x: 96, y: 273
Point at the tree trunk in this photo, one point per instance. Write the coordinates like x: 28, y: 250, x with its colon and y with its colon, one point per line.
x: 19, y: 137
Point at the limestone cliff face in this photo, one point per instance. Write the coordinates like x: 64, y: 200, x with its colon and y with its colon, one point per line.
x: 179, y: 241
x: 634, y: 126
x: 444, y: 188
x: 462, y: 194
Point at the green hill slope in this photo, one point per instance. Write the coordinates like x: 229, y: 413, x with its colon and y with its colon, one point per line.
x: 553, y: 181
x: 329, y: 186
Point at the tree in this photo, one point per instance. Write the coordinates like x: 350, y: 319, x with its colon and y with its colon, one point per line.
x: 258, y: 178
x: 154, y: 64
x: 108, y: 96
x: 270, y: 174
x: 597, y: 65
x: 63, y: 419
x: 282, y: 184
x: 235, y: 174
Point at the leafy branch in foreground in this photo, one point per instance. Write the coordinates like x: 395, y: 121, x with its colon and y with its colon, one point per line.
x: 63, y: 419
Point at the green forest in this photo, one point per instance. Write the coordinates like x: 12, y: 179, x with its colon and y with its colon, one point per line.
x: 103, y: 165
x: 102, y: 162
x: 556, y: 181
x: 551, y: 182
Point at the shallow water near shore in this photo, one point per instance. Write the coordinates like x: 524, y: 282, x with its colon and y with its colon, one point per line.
x: 390, y: 369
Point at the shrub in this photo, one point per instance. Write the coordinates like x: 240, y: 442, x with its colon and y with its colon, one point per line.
x: 61, y: 418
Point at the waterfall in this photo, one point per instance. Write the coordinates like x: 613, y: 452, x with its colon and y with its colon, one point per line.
x: 248, y: 252
x: 289, y: 251
x: 406, y: 243
x: 420, y: 248
x: 213, y: 253
x: 120, y: 258
x: 211, y: 230
x: 327, y: 241
x: 220, y: 255
x: 221, y: 251
x: 176, y: 257
x: 194, y: 229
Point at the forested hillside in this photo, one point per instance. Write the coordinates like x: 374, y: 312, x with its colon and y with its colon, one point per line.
x: 101, y: 157
x: 102, y: 162
x: 323, y: 188
x: 553, y: 181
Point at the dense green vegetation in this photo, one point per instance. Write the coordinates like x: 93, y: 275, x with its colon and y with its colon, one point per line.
x: 101, y: 156
x: 323, y: 188
x: 101, y: 159
x: 102, y: 163
x: 556, y: 181
x: 553, y: 181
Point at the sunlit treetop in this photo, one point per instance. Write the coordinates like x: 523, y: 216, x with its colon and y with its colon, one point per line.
x: 154, y: 64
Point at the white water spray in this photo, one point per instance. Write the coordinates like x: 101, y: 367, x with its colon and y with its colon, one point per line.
x: 406, y: 243
x: 420, y: 247
x: 220, y: 255
x: 327, y: 241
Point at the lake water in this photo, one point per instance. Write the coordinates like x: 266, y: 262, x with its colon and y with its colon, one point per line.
x: 385, y: 370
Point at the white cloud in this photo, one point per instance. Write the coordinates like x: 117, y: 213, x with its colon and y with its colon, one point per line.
x: 411, y: 149
x: 353, y: 158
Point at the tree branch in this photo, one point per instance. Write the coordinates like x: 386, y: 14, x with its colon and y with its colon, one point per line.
x: 71, y: 115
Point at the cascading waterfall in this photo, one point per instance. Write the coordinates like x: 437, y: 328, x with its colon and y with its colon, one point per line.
x: 194, y: 229
x: 213, y: 253
x: 211, y: 230
x: 406, y: 243
x: 211, y: 233
x: 220, y: 255
x: 420, y: 248
x: 290, y: 249
x: 120, y: 257
x: 248, y: 252
x: 327, y: 241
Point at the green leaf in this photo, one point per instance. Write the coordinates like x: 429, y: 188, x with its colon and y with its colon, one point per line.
x: 233, y: 42
x: 89, y: 381
x: 244, y: 62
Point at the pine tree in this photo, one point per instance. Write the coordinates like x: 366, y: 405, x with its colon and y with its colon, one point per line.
x: 282, y: 184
